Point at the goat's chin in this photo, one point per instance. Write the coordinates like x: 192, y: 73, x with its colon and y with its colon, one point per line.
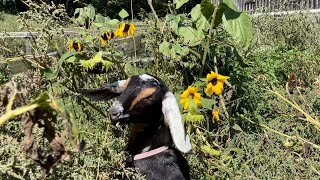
x: 120, y: 121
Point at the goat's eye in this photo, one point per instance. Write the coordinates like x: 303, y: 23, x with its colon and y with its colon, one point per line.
x: 151, y: 98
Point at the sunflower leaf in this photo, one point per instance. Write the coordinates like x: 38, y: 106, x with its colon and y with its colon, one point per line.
x: 179, y: 3
x: 196, y: 119
x: 207, y: 8
x: 123, y: 14
x: 191, y: 36
x: 207, y: 149
x: 164, y: 48
x: 207, y: 103
x: 237, y: 24
x: 113, y: 22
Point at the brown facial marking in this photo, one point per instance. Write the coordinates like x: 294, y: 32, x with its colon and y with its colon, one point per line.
x: 143, y: 94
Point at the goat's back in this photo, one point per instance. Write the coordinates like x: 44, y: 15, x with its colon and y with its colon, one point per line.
x: 168, y: 165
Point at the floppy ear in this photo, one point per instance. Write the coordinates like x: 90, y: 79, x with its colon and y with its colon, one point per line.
x: 173, y: 119
x: 106, y: 92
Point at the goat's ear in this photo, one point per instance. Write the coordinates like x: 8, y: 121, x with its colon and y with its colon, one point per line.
x: 173, y: 119
x: 106, y: 92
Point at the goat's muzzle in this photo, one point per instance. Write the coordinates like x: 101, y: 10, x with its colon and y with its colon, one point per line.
x: 116, y: 114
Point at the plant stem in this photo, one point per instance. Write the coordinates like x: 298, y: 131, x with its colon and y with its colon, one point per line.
x: 204, y: 57
x: 120, y: 67
x: 154, y: 12
x: 285, y: 135
x: 10, y: 114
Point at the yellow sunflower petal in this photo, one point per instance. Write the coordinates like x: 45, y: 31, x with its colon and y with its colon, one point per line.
x: 102, y: 41
x: 193, y: 89
x: 183, y: 100
x: 209, y: 89
x: 132, y: 28
x: 222, y: 78
x: 79, y: 47
x: 211, y: 75
x: 217, y: 89
x: 70, y: 47
x: 186, y: 105
x: 197, y: 95
x: 185, y: 94
x: 215, y: 114
x: 220, y: 84
x: 197, y: 101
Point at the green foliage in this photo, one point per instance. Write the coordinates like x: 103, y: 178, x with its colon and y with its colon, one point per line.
x: 258, y: 134
x: 179, y: 3
x: 123, y: 14
x: 238, y: 25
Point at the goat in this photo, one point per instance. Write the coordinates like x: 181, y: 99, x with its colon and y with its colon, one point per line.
x: 145, y: 102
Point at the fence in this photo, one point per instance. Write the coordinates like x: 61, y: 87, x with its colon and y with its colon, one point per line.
x: 17, y: 65
x: 258, y: 6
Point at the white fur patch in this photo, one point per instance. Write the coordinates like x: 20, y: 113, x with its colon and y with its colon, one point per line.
x: 146, y: 77
x: 122, y: 83
x: 173, y: 119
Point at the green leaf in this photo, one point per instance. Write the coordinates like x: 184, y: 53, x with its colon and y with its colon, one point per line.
x: 113, y: 22
x: 198, y: 83
x: 88, y: 64
x: 193, y: 109
x: 196, y: 12
x: 231, y: 5
x: 184, y: 51
x: 236, y: 127
x: 239, y: 26
x: 164, y: 48
x: 123, y: 14
x: 203, y: 24
x: 100, y: 19
x: 99, y: 25
x: 71, y: 59
x: 222, y: 7
x: 106, y: 64
x: 91, y: 12
x: 89, y: 38
x: 207, y: 103
x: 180, y: 3
x: 174, y: 21
x: 50, y: 73
x: 207, y: 8
x: 196, y: 119
x: 207, y: 149
x: 191, y: 36
x: 67, y: 55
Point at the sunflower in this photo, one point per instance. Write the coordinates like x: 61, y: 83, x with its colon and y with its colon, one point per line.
x: 215, y: 115
x: 125, y: 30
x: 215, y: 83
x: 75, y: 45
x: 190, y: 92
x: 106, y: 37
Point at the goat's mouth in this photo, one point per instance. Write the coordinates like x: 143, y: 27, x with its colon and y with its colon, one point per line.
x: 120, y: 119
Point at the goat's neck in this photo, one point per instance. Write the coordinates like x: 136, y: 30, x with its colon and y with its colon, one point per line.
x: 144, y: 137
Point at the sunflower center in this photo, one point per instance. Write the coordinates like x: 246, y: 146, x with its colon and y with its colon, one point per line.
x: 110, y: 35
x: 75, y: 46
x: 192, y: 95
x: 126, y: 28
x: 214, y: 81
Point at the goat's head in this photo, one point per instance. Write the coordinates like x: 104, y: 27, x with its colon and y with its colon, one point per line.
x: 144, y: 99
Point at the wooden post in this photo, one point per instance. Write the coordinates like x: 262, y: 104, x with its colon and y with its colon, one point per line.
x: 28, y: 46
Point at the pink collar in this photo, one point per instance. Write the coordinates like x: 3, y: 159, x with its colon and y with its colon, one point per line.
x: 150, y: 153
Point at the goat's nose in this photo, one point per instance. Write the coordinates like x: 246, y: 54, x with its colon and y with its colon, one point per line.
x: 116, y: 110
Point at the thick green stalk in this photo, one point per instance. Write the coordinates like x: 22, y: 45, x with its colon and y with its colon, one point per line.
x: 11, y: 114
x: 206, y: 50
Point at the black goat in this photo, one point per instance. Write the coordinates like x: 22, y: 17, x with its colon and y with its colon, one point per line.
x: 145, y: 102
